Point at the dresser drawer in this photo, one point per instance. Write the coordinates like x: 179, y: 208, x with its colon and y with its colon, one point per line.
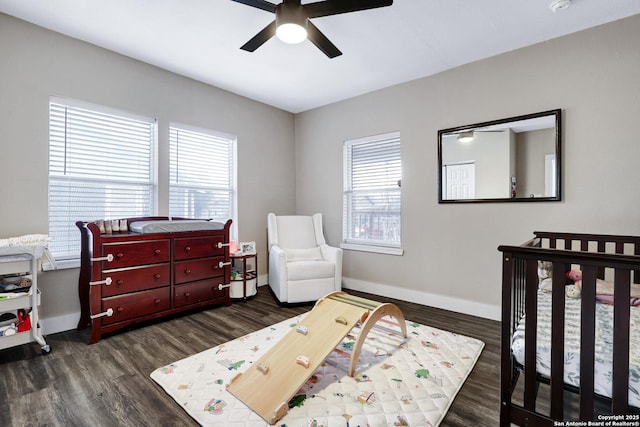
x: 198, y: 247
x: 189, y: 271
x: 195, y: 292
x: 134, y: 279
x: 135, y: 253
x: 136, y: 304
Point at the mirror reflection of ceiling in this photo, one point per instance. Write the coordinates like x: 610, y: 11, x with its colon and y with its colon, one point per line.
x: 525, y: 125
x: 502, y: 160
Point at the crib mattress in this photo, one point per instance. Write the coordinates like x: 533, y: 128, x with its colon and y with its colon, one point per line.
x: 603, y: 345
x: 168, y: 226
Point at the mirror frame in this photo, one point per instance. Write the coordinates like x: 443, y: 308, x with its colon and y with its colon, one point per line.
x: 557, y: 114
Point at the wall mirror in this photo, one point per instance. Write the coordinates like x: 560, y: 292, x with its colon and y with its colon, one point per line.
x: 509, y: 160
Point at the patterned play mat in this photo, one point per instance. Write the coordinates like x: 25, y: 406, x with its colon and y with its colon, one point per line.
x: 398, y: 381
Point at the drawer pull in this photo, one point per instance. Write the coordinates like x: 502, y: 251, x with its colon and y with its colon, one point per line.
x: 187, y: 248
x: 120, y: 282
x: 221, y: 286
x: 120, y: 255
x: 156, y: 301
x: 221, y: 245
x: 157, y: 276
x: 187, y: 294
x: 120, y: 309
x: 106, y: 281
x: 222, y: 264
x: 108, y: 313
x: 187, y: 271
x: 157, y: 251
x: 107, y: 258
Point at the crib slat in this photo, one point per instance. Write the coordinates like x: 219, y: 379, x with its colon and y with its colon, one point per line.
x: 621, y: 322
x: 530, y: 333
x: 584, y: 245
x: 557, y: 341
x: 506, y: 361
x: 636, y: 251
x: 587, y: 340
x: 602, y: 248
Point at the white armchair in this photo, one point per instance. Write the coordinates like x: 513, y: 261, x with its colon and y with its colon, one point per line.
x: 302, y: 267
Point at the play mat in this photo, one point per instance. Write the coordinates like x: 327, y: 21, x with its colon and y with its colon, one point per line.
x: 398, y: 381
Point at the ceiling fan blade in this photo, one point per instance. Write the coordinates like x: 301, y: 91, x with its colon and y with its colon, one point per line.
x: 334, y: 7
x: 260, y: 38
x: 321, y: 41
x: 260, y: 4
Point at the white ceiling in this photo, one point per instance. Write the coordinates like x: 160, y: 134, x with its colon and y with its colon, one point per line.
x: 381, y: 47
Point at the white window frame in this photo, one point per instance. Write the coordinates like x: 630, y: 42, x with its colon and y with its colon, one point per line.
x: 71, y: 145
x: 213, y: 137
x: 349, y: 240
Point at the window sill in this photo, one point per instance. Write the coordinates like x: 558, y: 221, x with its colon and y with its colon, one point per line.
x: 62, y: 264
x: 371, y: 248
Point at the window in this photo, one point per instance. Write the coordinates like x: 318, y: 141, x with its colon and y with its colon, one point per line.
x: 100, y: 166
x: 201, y: 174
x: 372, y: 194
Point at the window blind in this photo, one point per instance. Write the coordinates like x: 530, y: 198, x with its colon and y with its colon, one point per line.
x: 201, y: 174
x: 372, y: 194
x: 100, y: 167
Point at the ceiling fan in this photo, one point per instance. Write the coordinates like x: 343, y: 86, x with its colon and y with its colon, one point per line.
x: 293, y: 25
x: 468, y: 135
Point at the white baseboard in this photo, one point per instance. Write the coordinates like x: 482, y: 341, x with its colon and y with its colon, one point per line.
x: 53, y: 325
x: 457, y: 305
x: 263, y: 279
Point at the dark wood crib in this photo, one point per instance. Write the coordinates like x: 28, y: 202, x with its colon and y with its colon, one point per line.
x: 524, y: 400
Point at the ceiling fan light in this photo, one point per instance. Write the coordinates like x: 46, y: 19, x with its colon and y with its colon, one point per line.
x: 466, y: 136
x: 291, y: 33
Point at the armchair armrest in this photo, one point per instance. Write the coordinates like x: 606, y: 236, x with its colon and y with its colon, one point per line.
x: 278, y: 272
x: 333, y: 254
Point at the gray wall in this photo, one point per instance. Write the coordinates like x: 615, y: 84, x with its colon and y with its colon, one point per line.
x: 289, y: 164
x: 451, y: 258
x: 36, y: 63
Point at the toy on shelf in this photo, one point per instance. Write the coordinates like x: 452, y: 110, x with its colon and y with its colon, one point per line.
x: 24, y: 320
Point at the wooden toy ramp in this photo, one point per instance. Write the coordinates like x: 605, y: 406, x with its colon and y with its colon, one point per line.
x: 268, y: 385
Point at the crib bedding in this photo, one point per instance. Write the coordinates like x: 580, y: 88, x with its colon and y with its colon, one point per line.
x: 169, y: 226
x: 603, y: 345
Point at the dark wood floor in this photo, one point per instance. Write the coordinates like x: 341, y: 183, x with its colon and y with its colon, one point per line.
x: 108, y: 383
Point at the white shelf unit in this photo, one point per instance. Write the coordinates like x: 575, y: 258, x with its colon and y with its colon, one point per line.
x: 246, y: 282
x: 18, y: 260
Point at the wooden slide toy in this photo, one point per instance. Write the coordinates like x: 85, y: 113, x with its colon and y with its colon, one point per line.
x: 268, y: 385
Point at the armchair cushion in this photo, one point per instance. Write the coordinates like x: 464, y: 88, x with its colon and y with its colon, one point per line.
x: 303, y: 270
x: 308, y: 254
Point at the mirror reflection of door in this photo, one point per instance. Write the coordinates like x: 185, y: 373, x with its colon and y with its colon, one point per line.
x: 460, y: 181
x: 550, y: 175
